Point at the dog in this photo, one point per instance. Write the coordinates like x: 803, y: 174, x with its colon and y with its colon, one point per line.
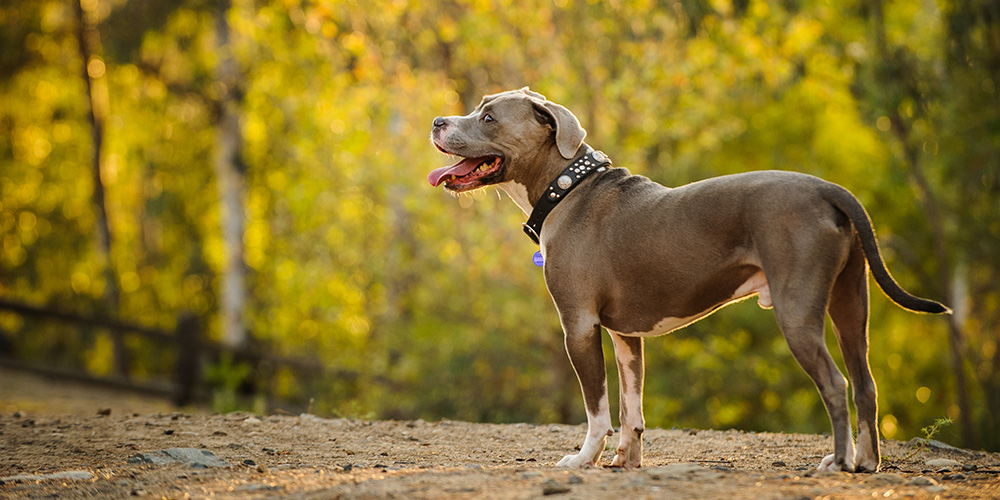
x: 641, y: 260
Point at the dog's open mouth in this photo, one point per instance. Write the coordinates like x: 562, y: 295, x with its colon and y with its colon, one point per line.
x: 468, y: 173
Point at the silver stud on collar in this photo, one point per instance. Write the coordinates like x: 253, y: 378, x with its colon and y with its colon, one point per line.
x: 600, y: 156
x: 564, y: 182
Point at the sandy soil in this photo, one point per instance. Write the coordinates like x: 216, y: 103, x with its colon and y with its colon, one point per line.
x: 285, y: 456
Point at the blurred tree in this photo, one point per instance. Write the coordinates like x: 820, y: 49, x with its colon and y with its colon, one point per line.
x: 88, y: 44
x: 229, y: 171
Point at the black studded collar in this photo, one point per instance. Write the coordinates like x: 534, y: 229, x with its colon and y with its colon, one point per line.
x: 574, y: 174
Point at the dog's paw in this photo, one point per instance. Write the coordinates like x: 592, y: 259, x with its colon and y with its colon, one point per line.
x: 828, y: 465
x: 622, y: 461
x: 866, y: 464
x: 575, y: 461
x: 866, y: 460
x: 628, y: 456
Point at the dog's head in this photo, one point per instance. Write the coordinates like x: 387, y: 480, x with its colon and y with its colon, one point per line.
x: 510, y: 132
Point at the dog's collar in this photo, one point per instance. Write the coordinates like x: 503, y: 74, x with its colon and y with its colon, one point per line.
x: 574, y: 174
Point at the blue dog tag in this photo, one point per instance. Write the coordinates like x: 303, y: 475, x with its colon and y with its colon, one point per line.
x: 537, y: 259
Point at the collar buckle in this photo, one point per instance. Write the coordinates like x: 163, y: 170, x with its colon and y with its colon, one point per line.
x: 573, y: 175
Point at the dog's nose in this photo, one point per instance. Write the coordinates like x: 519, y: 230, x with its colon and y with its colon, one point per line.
x: 440, y: 122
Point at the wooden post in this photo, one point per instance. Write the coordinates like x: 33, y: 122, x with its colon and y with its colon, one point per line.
x: 188, y: 368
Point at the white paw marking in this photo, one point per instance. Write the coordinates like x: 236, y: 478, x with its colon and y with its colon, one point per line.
x: 574, y: 461
x: 828, y: 465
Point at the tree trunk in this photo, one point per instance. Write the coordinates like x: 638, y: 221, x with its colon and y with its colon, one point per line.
x: 87, y: 42
x: 229, y: 178
x: 911, y: 157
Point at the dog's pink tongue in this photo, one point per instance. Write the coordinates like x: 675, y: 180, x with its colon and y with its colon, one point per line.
x: 459, y: 169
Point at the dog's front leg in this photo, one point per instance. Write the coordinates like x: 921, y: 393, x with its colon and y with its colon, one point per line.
x: 583, y: 344
x: 628, y: 355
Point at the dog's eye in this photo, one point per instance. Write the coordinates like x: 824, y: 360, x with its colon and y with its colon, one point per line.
x: 487, y: 118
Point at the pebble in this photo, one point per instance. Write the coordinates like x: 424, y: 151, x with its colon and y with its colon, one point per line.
x: 942, y: 463
x: 552, y: 487
x: 252, y: 420
x: 922, y: 481
x: 888, y: 478
x: 190, y: 456
x: 72, y: 475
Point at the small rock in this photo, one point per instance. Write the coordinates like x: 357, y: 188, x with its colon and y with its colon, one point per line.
x: 938, y: 445
x: 260, y: 487
x: 72, y: 475
x: 953, y: 477
x: 779, y: 463
x: 190, y: 456
x: 29, y: 422
x: 249, y: 462
x: 252, y: 420
x: 104, y: 412
x: 552, y: 487
x: 942, y: 463
x: 168, y: 432
x: 574, y: 479
x: 220, y: 433
x: 922, y: 481
x: 888, y: 478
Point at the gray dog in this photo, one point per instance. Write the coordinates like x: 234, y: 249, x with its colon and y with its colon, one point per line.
x: 640, y: 259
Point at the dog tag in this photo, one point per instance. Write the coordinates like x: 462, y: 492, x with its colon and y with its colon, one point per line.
x: 537, y: 259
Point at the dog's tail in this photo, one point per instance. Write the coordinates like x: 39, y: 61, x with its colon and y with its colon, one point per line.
x: 847, y: 203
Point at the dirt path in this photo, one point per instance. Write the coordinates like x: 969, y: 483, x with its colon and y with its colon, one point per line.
x: 309, y: 457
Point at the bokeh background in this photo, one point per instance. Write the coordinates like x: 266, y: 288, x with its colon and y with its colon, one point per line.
x: 261, y: 164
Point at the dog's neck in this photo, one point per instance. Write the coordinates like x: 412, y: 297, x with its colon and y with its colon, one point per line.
x: 530, y: 185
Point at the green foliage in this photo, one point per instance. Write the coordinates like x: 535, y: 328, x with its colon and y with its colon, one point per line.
x: 424, y: 305
x: 929, y: 432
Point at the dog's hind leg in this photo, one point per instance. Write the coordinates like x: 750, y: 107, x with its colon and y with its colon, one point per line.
x: 583, y: 344
x: 849, y: 312
x: 800, y: 291
x: 628, y: 355
x: 803, y: 329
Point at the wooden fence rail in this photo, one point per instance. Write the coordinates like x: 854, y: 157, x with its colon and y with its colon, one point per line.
x: 187, y: 383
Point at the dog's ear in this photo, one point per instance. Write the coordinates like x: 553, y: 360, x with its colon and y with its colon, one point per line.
x: 569, y: 132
